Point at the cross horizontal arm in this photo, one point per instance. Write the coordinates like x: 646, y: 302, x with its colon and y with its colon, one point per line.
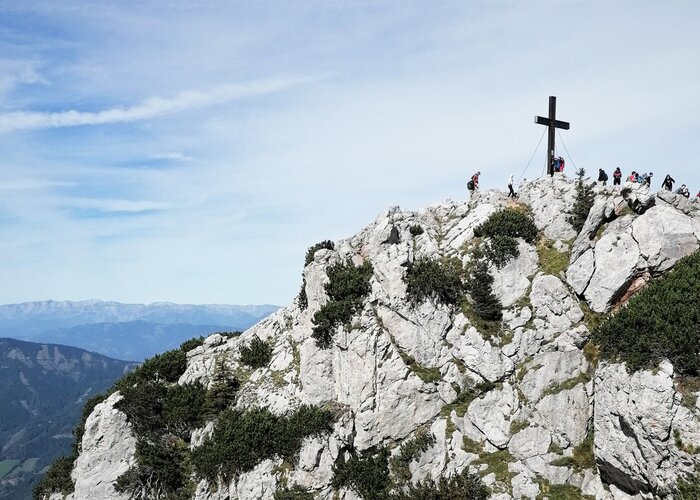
x: 541, y: 120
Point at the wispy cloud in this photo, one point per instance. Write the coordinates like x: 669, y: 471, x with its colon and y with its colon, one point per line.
x: 149, y: 108
x: 32, y: 184
x: 174, y: 156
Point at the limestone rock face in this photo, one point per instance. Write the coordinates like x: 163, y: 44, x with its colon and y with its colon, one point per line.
x: 603, y: 270
x: 526, y: 397
x: 107, y: 452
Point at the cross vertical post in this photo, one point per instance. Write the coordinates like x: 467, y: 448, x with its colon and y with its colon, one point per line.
x: 552, y: 123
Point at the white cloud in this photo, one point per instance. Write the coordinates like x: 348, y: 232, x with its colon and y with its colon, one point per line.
x: 150, y: 108
x: 32, y: 184
x: 175, y: 156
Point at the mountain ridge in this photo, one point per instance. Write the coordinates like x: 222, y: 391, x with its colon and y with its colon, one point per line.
x: 423, y: 384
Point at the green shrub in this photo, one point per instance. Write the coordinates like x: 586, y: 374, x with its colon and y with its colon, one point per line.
x: 326, y: 244
x: 183, y: 409
x: 166, y: 367
x: 257, y: 354
x: 193, y: 343
x: 661, y: 321
x: 243, y: 439
x: 462, y: 486
x: 347, y: 287
x: 689, y: 487
x: 485, y: 303
x: 162, y: 471
x: 56, y: 479
x: 502, y: 228
x: 440, y: 281
x: 500, y: 249
x: 584, y: 201
x: 302, y: 298
x: 223, y: 391
x: 411, y: 450
x: 367, y: 474
x: 416, y: 230
x: 513, y: 222
x: 296, y: 492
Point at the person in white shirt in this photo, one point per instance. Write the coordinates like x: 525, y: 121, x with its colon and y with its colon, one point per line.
x: 511, y: 193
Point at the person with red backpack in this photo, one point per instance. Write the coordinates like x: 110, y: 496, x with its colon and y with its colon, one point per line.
x: 473, y: 183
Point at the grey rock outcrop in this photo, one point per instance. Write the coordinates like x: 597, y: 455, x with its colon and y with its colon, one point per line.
x: 536, y: 399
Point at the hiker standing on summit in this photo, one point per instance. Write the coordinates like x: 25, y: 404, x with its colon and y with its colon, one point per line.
x: 667, y: 184
x: 511, y: 193
x: 617, y: 177
x: 602, y: 177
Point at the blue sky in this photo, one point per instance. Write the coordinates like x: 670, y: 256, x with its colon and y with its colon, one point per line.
x: 191, y: 151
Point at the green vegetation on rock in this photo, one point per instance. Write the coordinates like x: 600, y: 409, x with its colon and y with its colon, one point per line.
x: 485, y: 303
x: 296, y: 492
x: 302, y: 299
x: 56, y: 480
x: 256, y: 354
x: 243, y: 438
x: 367, y: 474
x: 438, y: 280
x: 584, y: 201
x: 347, y: 287
x: 411, y: 450
x: 662, y: 321
x: 462, y: 486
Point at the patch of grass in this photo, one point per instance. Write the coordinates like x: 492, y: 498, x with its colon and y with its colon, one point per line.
x: 256, y: 354
x: 581, y: 378
x: 497, y: 463
x: 551, y: 260
x: 518, y: 425
x: 660, y: 322
x: 428, y: 375
x: 554, y: 448
x: 591, y: 319
x: 592, y: 354
x: 688, y: 388
x: 487, y: 328
x: 582, y: 456
x: 347, y: 287
x: 688, y: 448
x: 465, y: 397
x: 471, y: 446
x: 296, y: 492
x: 551, y: 491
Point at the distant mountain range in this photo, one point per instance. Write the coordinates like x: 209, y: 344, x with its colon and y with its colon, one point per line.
x: 44, y: 387
x: 123, y: 331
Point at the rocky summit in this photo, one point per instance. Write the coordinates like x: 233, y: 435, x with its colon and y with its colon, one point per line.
x: 419, y: 381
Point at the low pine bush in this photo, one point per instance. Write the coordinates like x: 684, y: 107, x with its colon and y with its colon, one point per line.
x: 416, y: 230
x: 57, y: 479
x: 347, y: 287
x: 502, y: 228
x: 464, y: 485
x: 296, y: 492
x: 584, y: 201
x: 256, y: 354
x: 440, y: 281
x: 513, y: 222
x: 485, y: 303
x: 242, y: 439
x: 326, y: 244
x: 367, y: 473
x: 662, y: 321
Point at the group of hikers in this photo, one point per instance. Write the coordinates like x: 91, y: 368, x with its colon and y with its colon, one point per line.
x: 643, y: 179
x: 634, y: 178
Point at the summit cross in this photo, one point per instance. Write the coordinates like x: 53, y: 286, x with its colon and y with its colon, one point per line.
x: 552, y: 123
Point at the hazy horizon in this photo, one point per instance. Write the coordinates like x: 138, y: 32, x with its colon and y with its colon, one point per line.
x: 191, y: 152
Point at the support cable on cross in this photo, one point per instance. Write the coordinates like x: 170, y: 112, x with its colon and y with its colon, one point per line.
x: 552, y: 124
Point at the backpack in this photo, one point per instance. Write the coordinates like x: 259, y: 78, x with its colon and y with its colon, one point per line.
x: 470, y: 185
x: 604, y: 176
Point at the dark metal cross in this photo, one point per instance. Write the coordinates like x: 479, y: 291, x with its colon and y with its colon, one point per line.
x: 552, y: 123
